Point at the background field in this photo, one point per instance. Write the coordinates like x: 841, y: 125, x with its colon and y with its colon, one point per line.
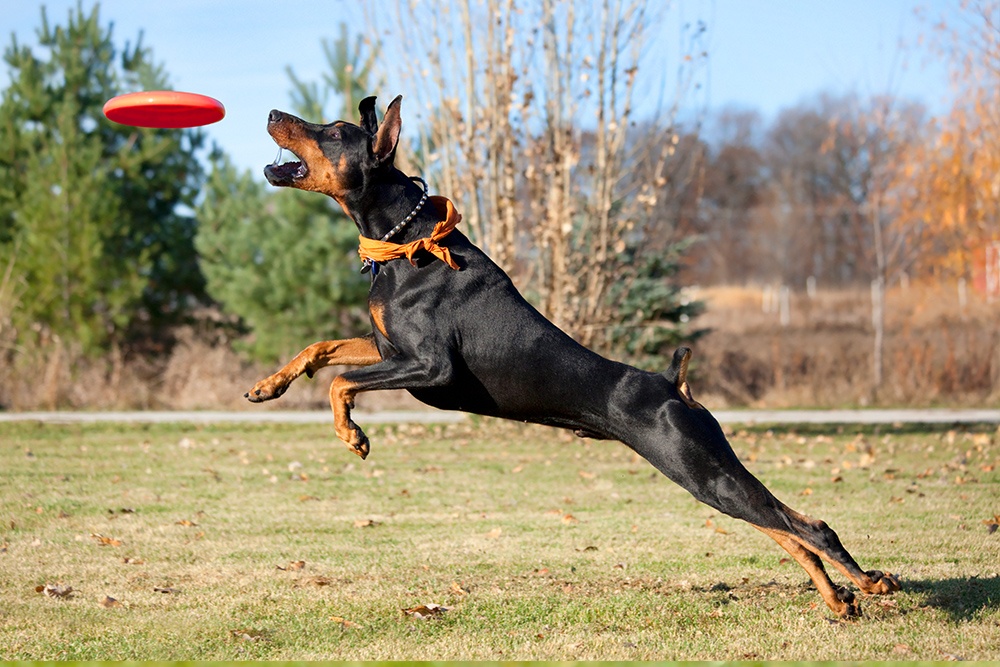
x: 274, y: 542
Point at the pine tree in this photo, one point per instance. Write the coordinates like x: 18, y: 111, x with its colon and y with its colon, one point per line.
x: 91, y: 220
x: 652, y: 313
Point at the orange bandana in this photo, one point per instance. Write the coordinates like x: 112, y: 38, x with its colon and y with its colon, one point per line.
x: 383, y: 251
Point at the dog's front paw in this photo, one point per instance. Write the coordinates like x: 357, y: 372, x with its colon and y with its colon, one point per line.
x: 266, y: 390
x: 357, y: 441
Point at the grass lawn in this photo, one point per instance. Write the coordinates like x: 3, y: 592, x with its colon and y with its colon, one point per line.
x: 227, y: 542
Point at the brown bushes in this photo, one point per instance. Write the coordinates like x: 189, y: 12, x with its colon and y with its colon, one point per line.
x: 938, y: 352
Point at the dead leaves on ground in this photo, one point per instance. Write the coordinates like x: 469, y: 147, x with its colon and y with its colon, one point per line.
x: 105, y: 541
x: 166, y: 590
x: 425, y: 611
x: 719, y: 529
x: 292, y: 566
x: 56, y: 591
x: 61, y: 592
x: 249, y: 635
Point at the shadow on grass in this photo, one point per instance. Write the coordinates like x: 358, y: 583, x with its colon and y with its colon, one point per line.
x: 961, y: 599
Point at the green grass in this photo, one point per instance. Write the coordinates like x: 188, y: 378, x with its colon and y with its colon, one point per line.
x: 541, y: 545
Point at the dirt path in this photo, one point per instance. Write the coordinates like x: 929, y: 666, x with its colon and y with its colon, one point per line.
x: 931, y: 416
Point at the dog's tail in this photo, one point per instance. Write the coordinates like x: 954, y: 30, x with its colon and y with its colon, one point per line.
x: 677, y: 375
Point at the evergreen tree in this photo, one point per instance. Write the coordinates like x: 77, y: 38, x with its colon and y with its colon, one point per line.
x: 652, y: 314
x: 91, y: 212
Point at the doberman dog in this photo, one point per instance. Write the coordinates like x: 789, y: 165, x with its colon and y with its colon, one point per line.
x: 450, y: 327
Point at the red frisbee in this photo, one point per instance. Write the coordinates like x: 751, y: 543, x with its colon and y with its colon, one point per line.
x: 164, y: 109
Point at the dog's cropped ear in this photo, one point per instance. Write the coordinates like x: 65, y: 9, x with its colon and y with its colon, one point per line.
x: 388, y: 133
x: 677, y: 375
x: 369, y: 121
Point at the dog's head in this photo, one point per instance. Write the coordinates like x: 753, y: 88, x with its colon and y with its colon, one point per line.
x: 335, y: 159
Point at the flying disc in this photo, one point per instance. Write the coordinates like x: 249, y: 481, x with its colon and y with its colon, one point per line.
x: 164, y: 109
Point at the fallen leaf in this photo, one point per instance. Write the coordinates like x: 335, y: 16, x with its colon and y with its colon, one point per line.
x: 248, y: 635
x: 303, y: 499
x: 165, y: 589
x: 837, y: 479
x: 128, y: 560
x: 495, y: 533
x: 425, y: 611
x: 320, y: 581
x: 292, y: 566
x: 108, y: 602
x: 569, y: 518
x: 343, y: 622
x: 55, y: 591
x: 806, y: 492
x: 185, y: 522
x: 365, y: 523
x: 517, y: 469
x: 784, y: 561
x: 106, y: 541
x: 587, y: 475
x: 459, y: 589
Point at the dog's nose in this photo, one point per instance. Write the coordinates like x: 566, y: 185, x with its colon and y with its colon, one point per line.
x: 274, y: 116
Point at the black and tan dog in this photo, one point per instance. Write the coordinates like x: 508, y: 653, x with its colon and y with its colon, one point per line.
x: 449, y: 327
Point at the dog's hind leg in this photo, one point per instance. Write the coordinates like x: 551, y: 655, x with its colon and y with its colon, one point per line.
x: 837, y: 598
x: 687, y: 444
x: 348, y: 352
x: 818, y: 538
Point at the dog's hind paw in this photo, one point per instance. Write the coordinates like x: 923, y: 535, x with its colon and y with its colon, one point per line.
x: 883, y: 583
x: 851, y: 608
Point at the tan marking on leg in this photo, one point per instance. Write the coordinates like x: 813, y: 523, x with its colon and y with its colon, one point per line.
x: 349, y: 352
x: 342, y: 393
x: 838, y: 599
x: 377, y: 311
x: 873, y: 582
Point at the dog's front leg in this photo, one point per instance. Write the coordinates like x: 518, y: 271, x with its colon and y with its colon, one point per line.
x: 398, y: 372
x: 349, y: 352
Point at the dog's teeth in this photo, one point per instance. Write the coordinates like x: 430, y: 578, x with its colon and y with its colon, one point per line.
x: 277, y: 158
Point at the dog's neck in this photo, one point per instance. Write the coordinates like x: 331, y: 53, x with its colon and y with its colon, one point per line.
x: 383, y: 205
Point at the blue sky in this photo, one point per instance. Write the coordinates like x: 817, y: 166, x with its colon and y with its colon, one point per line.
x: 763, y: 54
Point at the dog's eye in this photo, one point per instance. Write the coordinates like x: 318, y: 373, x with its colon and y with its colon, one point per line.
x: 334, y: 133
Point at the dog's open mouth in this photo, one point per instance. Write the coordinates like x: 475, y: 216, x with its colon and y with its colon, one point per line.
x: 285, y: 173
